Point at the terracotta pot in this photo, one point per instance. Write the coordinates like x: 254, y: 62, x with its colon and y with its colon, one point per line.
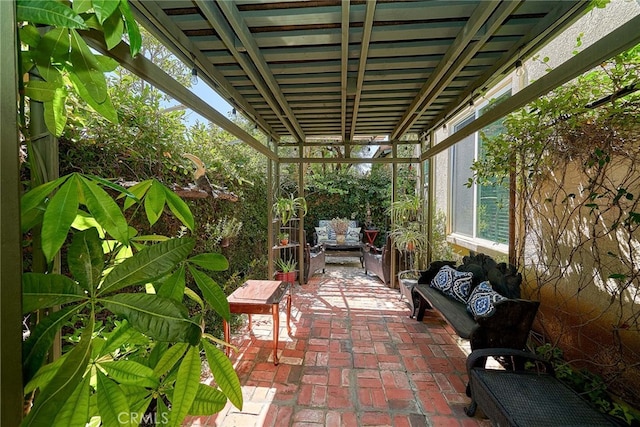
x: 284, y: 242
x: 289, y: 277
x: 225, y: 242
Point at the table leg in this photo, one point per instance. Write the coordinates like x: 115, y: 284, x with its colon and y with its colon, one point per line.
x: 276, y: 328
x: 289, y: 313
x: 227, y: 333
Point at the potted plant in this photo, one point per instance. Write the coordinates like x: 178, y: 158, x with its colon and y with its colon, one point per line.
x: 340, y: 226
x: 412, y: 241
x: 286, y: 270
x: 284, y: 238
x: 224, y: 230
x: 286, y: 208
x: 406, y: 209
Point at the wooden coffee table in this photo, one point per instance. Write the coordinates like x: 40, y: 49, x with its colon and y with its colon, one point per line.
x: 260, y: 297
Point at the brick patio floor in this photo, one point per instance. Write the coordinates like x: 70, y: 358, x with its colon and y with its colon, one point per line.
x: 355, y: 358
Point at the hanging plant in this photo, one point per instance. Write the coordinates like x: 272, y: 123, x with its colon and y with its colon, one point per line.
x: 286, y: 208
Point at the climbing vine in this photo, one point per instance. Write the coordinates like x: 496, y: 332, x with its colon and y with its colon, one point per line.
x: 576, y: 157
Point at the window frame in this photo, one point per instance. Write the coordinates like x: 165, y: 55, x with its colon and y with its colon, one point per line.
x: 471, y: 242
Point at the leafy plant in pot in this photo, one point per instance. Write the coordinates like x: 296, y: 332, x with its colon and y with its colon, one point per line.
x: 283, y: 238
x: 286, y: 208
x: 224, y: 230
x: 286, y: 270
x: 413, y: 241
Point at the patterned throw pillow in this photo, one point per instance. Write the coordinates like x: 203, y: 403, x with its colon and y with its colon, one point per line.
x: 453, y: 283
x: 353, y: 234
x: 331, y: 233
x: 482, y: 299
x: 322, y: 233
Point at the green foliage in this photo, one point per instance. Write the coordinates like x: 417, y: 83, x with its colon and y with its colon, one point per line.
x: 575, y: 155
x: 62, y: 58
x: 286, y: 208
x: 151, y: 352
x: 588, y: 385
x: 286, y: 266
x: 346, y: 194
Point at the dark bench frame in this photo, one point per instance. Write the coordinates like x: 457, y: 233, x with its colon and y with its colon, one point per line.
x: 515, y: 397
x: 378, y: 261
x: 314, y: 260
x: 508, y: 327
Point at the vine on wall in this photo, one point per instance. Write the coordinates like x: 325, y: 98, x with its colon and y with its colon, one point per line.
x: 576, y: 155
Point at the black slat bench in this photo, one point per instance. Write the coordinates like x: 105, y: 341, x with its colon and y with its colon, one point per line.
x: 509, y: 326
x: 510, y: 323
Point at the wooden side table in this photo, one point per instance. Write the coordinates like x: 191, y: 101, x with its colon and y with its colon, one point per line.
x: 260, y: 297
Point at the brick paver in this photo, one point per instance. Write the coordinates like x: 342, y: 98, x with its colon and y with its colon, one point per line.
x: 355, y: 358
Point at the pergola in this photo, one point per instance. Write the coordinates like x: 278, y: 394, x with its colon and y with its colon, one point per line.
x: 314, y: 74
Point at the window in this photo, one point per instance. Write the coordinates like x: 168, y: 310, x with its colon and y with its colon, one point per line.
x: 477, y: 211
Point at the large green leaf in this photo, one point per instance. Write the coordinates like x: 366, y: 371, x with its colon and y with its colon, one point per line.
x: 87, y: 68
x: 40, y: 90
x: 105, y: 210
x: 136, y: 193
x: 113, y: 29
x: 37, y: 196
x: 48, y: 290
x: 82, y: 6
x: 44, y: 375
x: 55, y: 44
x: 105, y: 8
x: 158, y: 317
x: 169, y: 358
x: 105, y: 109
x: 148, y: 264
x: 130, y: 373
x: 186, y: 386
x: 154, y: 202
x: 37, y: 346
x: 107, y: 64
x: 212, y: 293
x: 65, y: 381
x: 29, y: 35
x: 112, y: 402
x: 86, y: 259
x: 60, y: 213
x: 180, y: 209
x: 224, y: 374
x: 163, y: 411
x: 208, y: 401
x: 210, y: 261
x: 75, y: 411
x: 173, y: 286
x: 135, y: 39
x: 119, y: 336
x: 55, y: 115
x: 49, y: 13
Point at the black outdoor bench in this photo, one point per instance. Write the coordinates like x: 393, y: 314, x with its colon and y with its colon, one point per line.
x: 511, y: 321
x: 532, y: 397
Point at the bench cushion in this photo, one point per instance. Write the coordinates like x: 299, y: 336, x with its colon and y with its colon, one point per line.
x: 353, y: 234
x: 322, y: 234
